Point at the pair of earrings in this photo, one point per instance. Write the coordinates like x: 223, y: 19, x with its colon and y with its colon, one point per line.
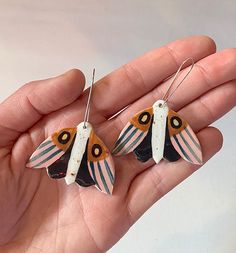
x: 78, y: 155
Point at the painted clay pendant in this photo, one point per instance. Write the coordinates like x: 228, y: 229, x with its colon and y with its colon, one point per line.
x: 158, y: 132
x: 77, y: 155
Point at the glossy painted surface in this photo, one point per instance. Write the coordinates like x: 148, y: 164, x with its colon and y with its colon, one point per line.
x: 83, y: 177
x: 170, y: 153
x: 77, y: 152
x: 52, y: 148
x: 77, y: 155
x: 184, y: 139
x: 134, y: 132
x: 160, y: 112
x: 58, y: 169
x: 143, y: 151
x: 100, y: 164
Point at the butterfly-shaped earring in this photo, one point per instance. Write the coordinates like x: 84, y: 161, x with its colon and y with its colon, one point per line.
x: 77, y: 155
x: 159, y: 132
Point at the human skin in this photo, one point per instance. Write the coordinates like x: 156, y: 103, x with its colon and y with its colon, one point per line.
x: 39, y: 214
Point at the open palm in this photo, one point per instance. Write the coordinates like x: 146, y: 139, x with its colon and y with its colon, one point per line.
x: 38, y: 214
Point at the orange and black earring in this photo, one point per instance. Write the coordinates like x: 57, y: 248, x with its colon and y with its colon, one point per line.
x: 159, y: 132
x: 77, y: 155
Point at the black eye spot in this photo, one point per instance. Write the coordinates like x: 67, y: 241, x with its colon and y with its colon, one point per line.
x: 96, y: 150
x: 176, y: 122
x: 144, y: 118
x: 64, y: 137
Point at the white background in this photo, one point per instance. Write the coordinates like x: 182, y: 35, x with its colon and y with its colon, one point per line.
x: 39, y: 39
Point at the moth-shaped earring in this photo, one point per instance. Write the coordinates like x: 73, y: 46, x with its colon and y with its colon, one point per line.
x: 159, y: 132
x: 77, y: 155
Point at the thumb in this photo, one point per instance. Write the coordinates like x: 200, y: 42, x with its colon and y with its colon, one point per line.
x: 28, y: 104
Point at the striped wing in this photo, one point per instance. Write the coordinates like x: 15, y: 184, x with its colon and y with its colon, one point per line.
x: 52, y: 149
x: 184, y: 139
x: 100, y: 164
x: 134, y: 132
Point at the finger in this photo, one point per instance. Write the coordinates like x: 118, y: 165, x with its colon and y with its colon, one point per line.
x: 208, y: 73
x: 152, y: 184
x: 27, y: 105
x: 211, y: 106
x: 133, y: 80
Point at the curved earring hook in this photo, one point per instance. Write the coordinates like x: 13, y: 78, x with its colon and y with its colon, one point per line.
x: 167, y: 96
x: 87, y: 110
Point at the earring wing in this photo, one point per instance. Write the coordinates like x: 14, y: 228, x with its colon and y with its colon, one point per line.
x: 100, y: 164
x: 134, y: 132
x: 184, y: 139
x: 52, y: 149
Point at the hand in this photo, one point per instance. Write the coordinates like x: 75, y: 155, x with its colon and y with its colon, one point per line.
x: 41, y: 214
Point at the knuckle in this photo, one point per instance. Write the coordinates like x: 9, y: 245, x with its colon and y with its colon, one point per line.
x: 134, y: 77
x: 27, y: 87
x: 205, y: 108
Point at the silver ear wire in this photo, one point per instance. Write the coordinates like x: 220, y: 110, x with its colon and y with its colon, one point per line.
x: 168, y: 95
x: 87, y: 110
